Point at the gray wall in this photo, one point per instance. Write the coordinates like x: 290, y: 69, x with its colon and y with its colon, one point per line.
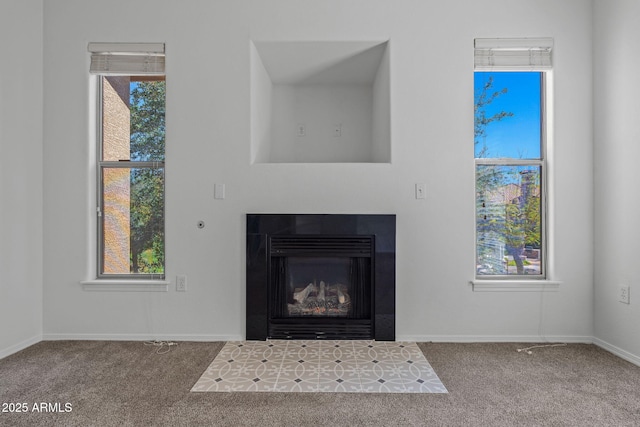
x: 617, y: 150
x: 20, y: 174
x: 208, y: 142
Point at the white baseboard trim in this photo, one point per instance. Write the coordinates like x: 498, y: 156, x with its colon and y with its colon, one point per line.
x: 623, y: 354
x: 140, y: 337
x: 20, y: 346
x: 497, y: 338
x: 416, y: 338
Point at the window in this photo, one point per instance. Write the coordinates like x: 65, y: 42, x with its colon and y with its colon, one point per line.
x: 130, y: 159
x: 510, y: 158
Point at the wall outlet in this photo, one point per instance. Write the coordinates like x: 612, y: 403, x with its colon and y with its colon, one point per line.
x: 181, y: 283
x: 624, y: 294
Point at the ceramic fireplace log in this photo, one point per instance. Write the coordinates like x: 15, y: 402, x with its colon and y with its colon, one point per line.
x: 302, y: 295
x: 320, y: 296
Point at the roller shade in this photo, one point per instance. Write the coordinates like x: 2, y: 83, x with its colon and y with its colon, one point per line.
x: 529, y: 54
x: 140, y: 59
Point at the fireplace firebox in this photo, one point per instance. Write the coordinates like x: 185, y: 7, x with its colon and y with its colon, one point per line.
x: 320, y: 276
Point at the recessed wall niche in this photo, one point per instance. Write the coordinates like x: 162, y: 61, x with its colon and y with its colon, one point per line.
x: 320, y: 102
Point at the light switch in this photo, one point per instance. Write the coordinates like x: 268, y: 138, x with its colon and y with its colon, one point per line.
x: 218, y: 191
x: 421, y: 191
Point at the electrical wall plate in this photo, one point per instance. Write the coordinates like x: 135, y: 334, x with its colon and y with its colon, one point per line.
x: 624, y: 294
x: 181, y: 283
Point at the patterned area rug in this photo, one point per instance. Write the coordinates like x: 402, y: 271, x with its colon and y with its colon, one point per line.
x: 320, y: 366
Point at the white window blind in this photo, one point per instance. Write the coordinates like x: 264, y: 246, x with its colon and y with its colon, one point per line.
x: 113, y: 59
x: 527, y: 54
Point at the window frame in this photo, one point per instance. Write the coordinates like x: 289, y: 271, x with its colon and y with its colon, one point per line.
x: 101, y: 165
x: 542, y: 163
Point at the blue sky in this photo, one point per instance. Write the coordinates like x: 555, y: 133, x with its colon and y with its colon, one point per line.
x: 517, y: 136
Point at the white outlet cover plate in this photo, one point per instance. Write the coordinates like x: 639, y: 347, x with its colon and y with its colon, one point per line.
x: 624, y: 294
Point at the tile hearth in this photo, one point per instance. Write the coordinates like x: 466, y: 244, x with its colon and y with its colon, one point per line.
x: 320, y: 366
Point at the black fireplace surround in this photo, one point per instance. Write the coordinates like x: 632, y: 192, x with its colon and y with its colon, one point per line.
x: 320, y: 276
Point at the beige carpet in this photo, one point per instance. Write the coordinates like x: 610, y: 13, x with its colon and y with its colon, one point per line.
x: 321, y: 367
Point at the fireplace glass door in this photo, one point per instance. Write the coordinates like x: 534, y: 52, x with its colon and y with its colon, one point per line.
x: 321, y: 287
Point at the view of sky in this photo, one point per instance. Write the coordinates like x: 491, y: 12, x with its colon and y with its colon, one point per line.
x: 517, y: 136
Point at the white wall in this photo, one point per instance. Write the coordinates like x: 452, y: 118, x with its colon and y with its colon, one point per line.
x: 319, y: 107
x: 208, y: 141
x: 381, y: 130
x: 617, y: 150
x: 320, y: 97
x: 20, y: 174
x: 261, y: 106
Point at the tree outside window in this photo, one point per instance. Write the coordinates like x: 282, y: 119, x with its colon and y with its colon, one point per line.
x: 132, y: 175
x: 509, y: 173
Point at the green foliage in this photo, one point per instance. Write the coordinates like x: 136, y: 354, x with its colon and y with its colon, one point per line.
x: 532, y: 218
x: 147, y: 184
x: 513, y: 227
x: 148, y: 121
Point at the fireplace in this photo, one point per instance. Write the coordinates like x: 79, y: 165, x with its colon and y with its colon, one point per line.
x: 320, y: 276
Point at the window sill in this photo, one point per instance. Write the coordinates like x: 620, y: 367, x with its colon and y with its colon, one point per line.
x: 113, y: 285
x: 515, y: 285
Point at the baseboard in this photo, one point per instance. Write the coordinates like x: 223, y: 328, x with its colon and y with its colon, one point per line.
x: 20, y: 346
x: 623, y: 354
x: 416, y: 338
x: 140, y: 337
x: 496, y: 338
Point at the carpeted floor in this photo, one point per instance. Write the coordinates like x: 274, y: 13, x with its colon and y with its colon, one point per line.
x: 94, y: 383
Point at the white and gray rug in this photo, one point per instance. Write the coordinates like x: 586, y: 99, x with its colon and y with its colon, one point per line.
x: 320, y: 366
